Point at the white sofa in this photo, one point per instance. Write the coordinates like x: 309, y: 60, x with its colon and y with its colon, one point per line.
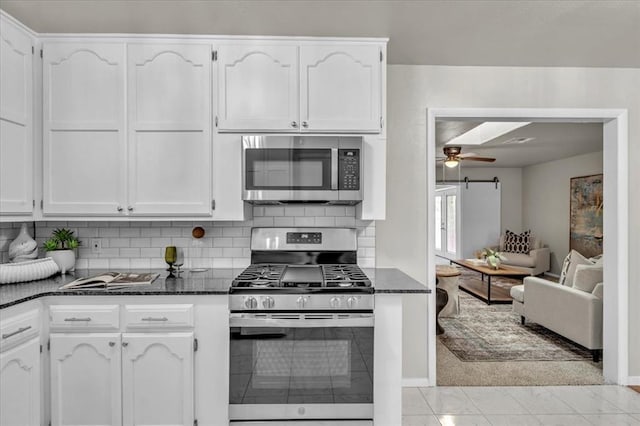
x: 568, y: 311
x: 536, y: 262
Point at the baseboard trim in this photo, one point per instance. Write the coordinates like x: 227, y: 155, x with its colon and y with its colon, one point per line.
x: 414, y: 382
x: 633, y: 380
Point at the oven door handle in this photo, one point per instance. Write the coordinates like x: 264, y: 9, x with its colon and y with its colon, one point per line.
x: 301, y: 321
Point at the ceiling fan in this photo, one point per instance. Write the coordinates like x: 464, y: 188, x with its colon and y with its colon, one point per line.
x: 454, y: 156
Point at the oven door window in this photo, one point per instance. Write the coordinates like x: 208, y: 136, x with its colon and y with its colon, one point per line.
x: 301, y: 365
x: 288, y: 169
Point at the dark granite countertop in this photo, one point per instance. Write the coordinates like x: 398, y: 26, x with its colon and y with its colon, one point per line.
x: 209, y: 282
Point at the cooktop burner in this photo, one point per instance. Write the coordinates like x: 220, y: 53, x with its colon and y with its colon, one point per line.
x: 270, y: 276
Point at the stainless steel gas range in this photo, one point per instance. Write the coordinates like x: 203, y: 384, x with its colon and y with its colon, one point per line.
x: 301, y: 330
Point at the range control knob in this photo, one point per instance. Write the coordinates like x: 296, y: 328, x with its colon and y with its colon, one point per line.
x: 267, y: 302
x: 352, y: 302
x: 335, y: 302
x: 302, y: 301
x: 250, y: 303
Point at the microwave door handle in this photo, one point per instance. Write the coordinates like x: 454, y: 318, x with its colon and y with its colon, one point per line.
x: 334, y: 169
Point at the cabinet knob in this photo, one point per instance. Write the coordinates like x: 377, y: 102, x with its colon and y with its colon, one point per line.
x: 305, y: 124
x: 112, y: 344
x: 125, y: 344
x: 294, y: 124
x: 120, y: 208
x: 130, y: 208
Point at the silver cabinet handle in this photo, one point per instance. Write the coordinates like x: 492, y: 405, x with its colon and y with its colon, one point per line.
x: 130, y: 208
x: 112, y: 344
x: 155, y: 319
x: 74, y: 319
x: 125, y: 344
x: 294, y: 124
x: 305, y: 124
x: 120, y: 208
x: 18, y: 331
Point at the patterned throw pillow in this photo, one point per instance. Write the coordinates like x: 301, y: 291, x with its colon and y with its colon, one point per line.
x: 517, y: 243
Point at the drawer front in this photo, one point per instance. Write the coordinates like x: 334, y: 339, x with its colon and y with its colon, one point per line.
x: 18, y: 329
x: 84, y: 317
x: 158, y: 317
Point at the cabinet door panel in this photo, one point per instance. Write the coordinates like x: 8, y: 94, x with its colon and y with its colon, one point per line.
x: 85, y: 379
x: 150, y: 398
x: 16, y: 121
x: 83, y: 128
x: 257, y: 87
x: 340, y: 88
x: 82, y: 175
x: 170, y: 173
x: 169, y: 129
x: 20, y: 385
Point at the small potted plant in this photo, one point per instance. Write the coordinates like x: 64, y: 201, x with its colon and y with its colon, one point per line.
x: 493, y: 257
x: 61, y: 248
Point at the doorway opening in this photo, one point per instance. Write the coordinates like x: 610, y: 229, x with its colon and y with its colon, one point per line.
x: 615, y: 220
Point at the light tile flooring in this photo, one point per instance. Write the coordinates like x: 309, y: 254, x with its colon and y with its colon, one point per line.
x: 512, y: 406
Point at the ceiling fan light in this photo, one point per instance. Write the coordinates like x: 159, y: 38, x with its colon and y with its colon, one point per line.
x: 451, y: 162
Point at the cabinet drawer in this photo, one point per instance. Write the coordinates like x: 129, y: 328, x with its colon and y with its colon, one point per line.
x: 158, y: 316
x: 18, y: 329
x: 84, y: 317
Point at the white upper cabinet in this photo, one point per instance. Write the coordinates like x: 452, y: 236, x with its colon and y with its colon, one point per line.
x: 16, y: 120
x: 258, y: 86
x: 340, y: 88
x: 83, y: 128
x: 302, y: 87
x: 169, y: 141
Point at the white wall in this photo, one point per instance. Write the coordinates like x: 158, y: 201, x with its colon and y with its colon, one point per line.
x: 545, y: 200
x: 401, y: 240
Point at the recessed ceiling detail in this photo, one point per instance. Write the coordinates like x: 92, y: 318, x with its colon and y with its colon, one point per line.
x: 486, y: 132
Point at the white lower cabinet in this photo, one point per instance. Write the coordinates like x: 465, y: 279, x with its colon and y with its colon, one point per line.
x: 85, y: 379
x: 115, y: 379
x: 157, y: 379
x: 20, y: 384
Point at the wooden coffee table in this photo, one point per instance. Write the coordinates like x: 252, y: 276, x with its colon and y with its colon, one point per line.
x: 485, y: 271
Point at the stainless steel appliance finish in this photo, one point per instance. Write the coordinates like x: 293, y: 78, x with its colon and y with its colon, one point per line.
x: 278, y: 169
x: 301, y: 334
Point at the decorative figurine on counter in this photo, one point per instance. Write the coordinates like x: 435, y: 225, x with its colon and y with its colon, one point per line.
x: 24, y: 247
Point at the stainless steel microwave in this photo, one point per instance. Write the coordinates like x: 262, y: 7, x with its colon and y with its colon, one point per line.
x: 321, y: 169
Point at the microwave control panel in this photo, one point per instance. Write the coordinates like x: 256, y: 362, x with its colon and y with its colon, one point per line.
x: 349, y: 169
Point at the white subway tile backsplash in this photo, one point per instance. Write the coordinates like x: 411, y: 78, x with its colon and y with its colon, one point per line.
x: 140, y: 245
x: 271, y: 211
x: 293, y: 211
x: 304, y: 221
x: 346, y: 221
x: 130, y: 252
x: 284, y: 221
x: 314, y: 211
x: 232, y: 232
x: 263, y: 221
x: 325, y: 221
x: 130, y: 232
x: 222, y: 242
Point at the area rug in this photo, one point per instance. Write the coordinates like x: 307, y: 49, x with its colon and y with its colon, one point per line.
x: 484, y: 332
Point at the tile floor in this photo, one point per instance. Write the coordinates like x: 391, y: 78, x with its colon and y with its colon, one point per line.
x: 513, y: 406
